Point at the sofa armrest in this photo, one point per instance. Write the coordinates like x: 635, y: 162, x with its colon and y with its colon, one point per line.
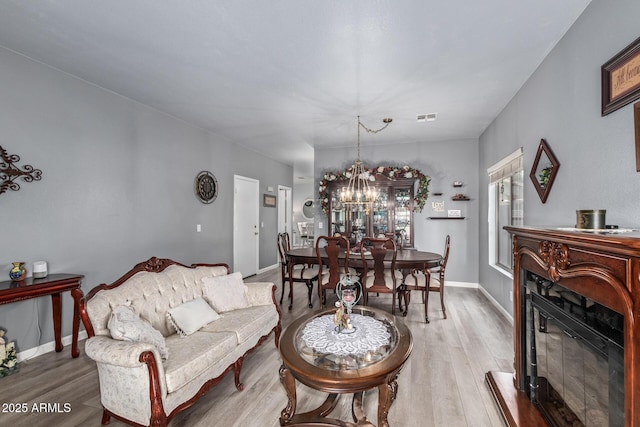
x: 132, y: 379
x: 260, y: 293
x: 125, y: 354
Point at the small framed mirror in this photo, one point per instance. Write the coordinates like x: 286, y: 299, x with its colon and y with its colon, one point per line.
x: 308, y: 209
x: 544, y: 170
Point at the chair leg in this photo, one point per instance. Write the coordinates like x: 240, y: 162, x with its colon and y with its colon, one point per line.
x: 425, y: 297
x: 393, y: 302
x: 444, y: 310
x: 310, y: 290
x: 406, y: 295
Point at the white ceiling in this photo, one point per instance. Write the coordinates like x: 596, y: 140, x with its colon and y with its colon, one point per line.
x: 284, y: 76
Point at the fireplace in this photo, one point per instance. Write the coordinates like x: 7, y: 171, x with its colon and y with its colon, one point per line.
x: 575, y: 357
x: 576, y: 330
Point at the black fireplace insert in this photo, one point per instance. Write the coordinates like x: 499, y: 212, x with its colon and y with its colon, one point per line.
x: 575, y: 357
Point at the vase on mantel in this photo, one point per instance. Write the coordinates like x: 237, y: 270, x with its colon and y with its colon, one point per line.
x: 18, y: 271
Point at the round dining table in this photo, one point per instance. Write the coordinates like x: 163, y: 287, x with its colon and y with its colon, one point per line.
x: 406, y: 260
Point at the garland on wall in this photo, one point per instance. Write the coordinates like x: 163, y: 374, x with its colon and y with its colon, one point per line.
x: 391, y: 172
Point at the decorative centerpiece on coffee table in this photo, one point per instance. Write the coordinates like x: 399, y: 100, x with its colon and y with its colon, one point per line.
x: 349, y: 293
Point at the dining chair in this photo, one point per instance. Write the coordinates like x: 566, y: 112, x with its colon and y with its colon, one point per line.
x: 306, y: 274
x: 305, y: 230
x: 381, y: 275
x: 332, y: 267
x: 429, y: 280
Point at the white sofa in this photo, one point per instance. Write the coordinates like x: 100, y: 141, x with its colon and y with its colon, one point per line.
x: 136, y: 385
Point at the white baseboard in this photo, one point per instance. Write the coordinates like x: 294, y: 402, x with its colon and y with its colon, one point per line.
x: 495, y: 302
x: 461, y: 284
x: 49, y: 347
x: 271, y: 267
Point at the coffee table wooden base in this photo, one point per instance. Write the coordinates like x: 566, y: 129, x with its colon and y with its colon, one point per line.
x: 317, y: 417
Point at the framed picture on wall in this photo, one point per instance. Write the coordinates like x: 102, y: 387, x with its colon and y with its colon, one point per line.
x: 621, y: 78
x: 269, y: 200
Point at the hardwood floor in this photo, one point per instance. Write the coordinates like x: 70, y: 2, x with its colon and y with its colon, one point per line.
x: 442, y: 384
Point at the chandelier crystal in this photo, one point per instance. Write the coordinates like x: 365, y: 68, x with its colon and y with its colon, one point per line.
x: 358, y: 191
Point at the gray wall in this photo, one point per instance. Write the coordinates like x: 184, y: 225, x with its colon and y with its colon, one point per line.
x: 117, y: 188
x: 444, y: 162
x: 561, y: 103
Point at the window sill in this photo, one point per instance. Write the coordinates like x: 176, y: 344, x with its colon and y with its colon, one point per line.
x: 503, y: 270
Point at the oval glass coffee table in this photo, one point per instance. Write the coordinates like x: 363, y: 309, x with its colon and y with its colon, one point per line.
x: 318, y: 356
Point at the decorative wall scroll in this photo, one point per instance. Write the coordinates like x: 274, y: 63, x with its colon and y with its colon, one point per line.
x: 9, y: 172
x: 621, y: 78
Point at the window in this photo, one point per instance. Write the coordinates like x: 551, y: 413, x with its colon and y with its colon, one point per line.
x: 506, y: 207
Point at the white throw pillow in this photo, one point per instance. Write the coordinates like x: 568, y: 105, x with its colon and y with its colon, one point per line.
x: 191, y: 316
x: 126, y: 325
x: 226, y: 293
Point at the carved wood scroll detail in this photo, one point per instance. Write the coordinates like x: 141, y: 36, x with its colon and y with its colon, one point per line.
x: 556, y: 256
x: 9, y: 172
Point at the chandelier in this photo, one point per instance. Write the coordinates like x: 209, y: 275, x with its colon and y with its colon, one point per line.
x: 358, y: 191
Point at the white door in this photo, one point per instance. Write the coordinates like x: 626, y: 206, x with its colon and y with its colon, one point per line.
x: 246, y: 204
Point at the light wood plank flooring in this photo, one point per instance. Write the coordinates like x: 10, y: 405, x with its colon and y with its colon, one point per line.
x: 442, y: 384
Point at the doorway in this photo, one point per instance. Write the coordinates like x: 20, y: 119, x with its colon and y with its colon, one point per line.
x: 246, y: 234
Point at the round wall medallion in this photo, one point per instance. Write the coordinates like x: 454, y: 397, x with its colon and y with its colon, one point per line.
x: 206, y: 187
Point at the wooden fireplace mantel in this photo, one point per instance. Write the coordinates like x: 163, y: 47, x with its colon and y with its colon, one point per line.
x: 600, y: 266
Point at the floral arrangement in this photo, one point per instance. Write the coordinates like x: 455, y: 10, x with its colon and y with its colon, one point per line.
x: 8, y: 357
x: 341, y: 318
x: 391, y: 172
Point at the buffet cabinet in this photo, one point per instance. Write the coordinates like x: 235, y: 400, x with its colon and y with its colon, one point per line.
x: 390, y: 215
x: 592, y: 278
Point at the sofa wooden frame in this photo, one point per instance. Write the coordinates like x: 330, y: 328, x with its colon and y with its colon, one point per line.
x: 158, y: 415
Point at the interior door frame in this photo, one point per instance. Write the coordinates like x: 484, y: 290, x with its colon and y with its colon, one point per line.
x: 256, y: 186
x: 285, y: 209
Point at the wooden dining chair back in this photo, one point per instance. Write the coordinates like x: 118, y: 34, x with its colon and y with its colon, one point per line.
x: 431, y: 280
x: 300, y: 273
x: 379, y: 275
x: 333, y: 262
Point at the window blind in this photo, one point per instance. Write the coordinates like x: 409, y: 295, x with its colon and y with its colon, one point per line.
x: 506, y: 167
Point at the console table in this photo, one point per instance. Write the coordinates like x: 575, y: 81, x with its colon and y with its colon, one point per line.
x: 54, y: 285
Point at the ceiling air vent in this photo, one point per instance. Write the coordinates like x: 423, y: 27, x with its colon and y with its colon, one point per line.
x: 426, y: 117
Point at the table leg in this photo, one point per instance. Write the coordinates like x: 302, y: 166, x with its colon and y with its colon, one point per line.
x: 386, y: 396
x: 57, y: 320
x: 289, y: 384
x: 290, y: 285
x: 77, y: 295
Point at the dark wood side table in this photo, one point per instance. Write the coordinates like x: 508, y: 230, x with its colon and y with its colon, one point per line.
x: 54, y: 285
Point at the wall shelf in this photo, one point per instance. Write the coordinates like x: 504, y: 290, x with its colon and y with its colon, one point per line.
x: 460, y: 199
x: 446, y: 217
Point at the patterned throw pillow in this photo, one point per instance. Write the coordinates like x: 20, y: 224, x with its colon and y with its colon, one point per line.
x: 192, y: 315
x: 226, y: 293
x: 126, y: 325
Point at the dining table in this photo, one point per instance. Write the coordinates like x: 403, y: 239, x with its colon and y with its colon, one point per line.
x: 407, y: 259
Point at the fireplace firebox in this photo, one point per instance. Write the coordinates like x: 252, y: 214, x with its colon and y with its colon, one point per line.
x: 576, y: 329
x: 575, y: 357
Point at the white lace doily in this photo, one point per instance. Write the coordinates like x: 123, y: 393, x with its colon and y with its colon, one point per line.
x: 370, y: 334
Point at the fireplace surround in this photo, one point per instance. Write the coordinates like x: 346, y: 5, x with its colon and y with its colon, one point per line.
x: 593, y: 278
